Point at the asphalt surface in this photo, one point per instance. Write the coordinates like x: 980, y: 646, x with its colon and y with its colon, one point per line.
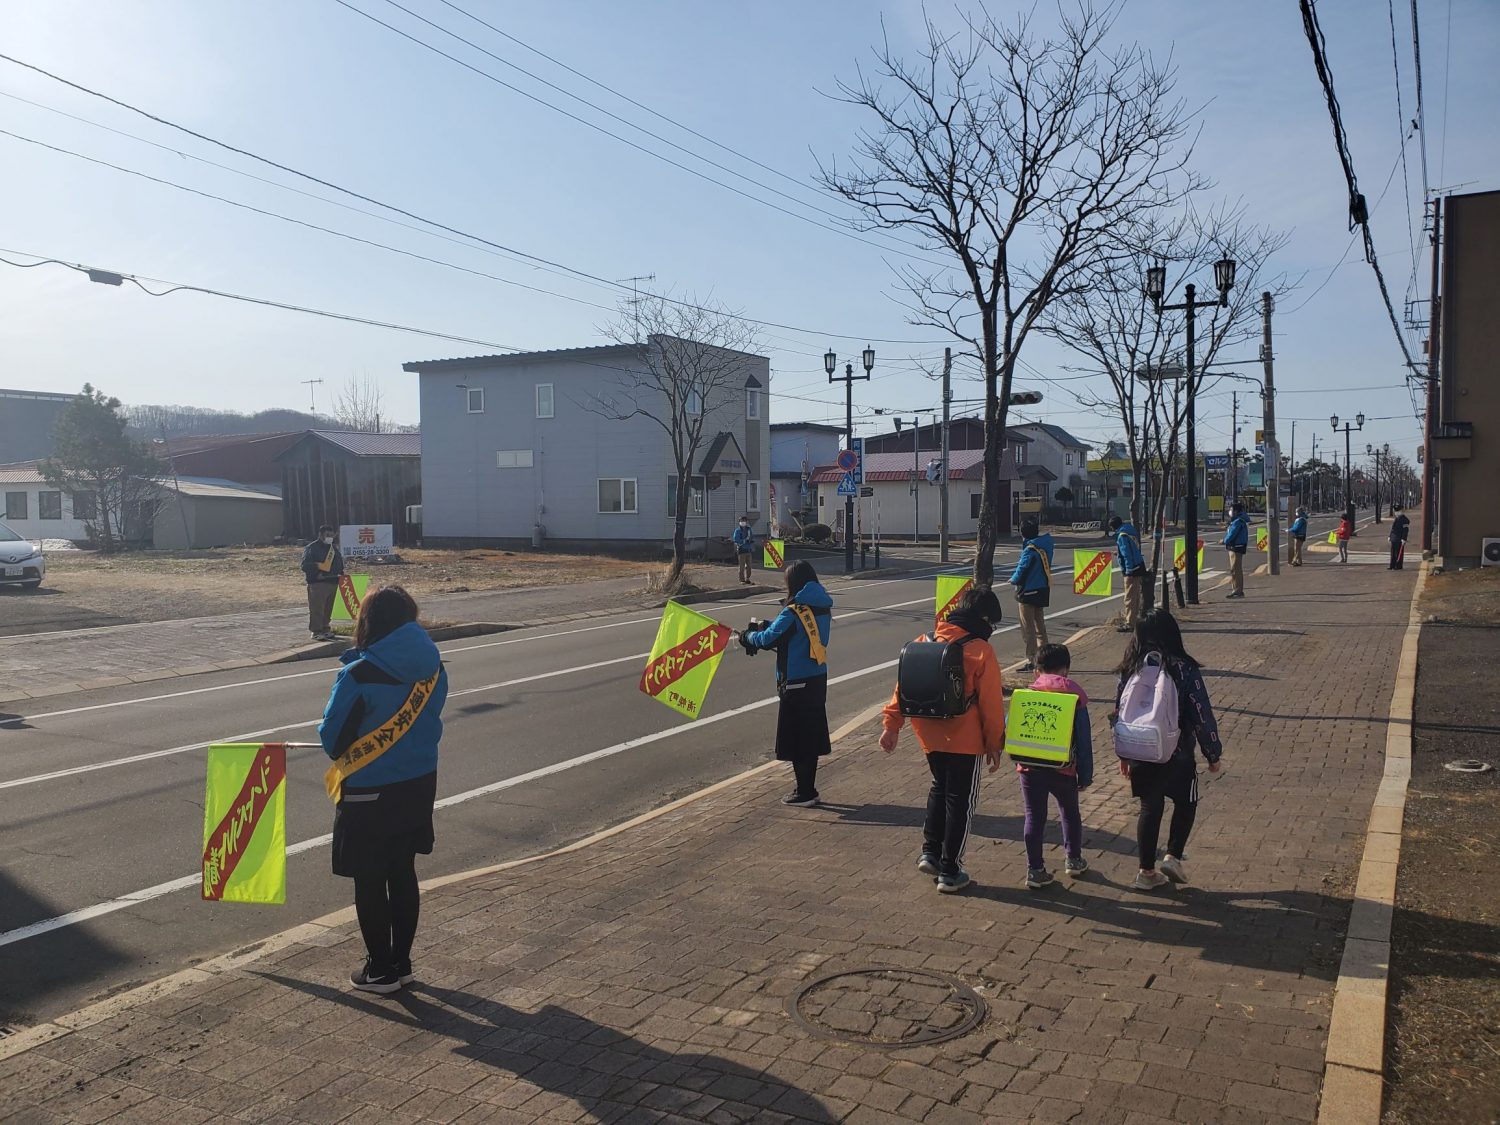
x: 546, y: 740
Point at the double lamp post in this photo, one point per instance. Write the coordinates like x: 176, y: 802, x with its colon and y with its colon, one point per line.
x: 830, y: 365
x: 1348, y: 428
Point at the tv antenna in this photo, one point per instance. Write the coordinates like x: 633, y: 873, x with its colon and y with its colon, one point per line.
x: 312, y: 402
x: 635, y: 298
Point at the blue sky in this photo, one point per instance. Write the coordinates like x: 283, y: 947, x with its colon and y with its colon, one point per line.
x: 318, y: 87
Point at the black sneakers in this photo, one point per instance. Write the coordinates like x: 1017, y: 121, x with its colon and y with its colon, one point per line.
x: 800, y: 800
x: 368, y: 979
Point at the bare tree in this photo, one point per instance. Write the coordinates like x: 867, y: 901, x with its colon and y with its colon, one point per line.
x: 688, y: 375
x: 1012, y: 155
x: 358, y: 405
x: 1114, y: 327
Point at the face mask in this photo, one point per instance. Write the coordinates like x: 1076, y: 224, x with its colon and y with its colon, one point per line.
x: 328, y: 539
x: 744, y: 524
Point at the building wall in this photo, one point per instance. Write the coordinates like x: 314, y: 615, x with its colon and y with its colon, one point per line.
x: 215, y: 522
x: 33, y: 526
x: 795, y: 451
x: 1047, y: 451
x: 26, y: 422
x: 1469, y: 389
x: 467, y: 495
x: 252, y: 461
x: 322, y: 483
x: 892, y: 507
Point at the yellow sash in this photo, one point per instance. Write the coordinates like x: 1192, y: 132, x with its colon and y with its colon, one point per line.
x: 815, y: 647
x: 327, y: 564
x: 1041, y: 557
x: 369, y: 747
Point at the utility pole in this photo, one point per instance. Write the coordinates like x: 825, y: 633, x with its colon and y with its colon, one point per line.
x: 943, y: 453
x: 830, y: 365
x: 1430, y: 513
x: 1272, y: 468
x: 1234, y: 449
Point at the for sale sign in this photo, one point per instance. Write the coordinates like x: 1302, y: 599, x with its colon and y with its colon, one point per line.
x: 366, y: 541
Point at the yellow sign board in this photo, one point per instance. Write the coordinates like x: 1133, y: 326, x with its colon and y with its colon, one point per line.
x: 950, y: 587
x: 1262, y: 539
x: 774, y: 556
x: 1179, y: 554
x: 1216, y: 503
x: 351, y: 594
x: 1039, y: 727
x: 1030, y: 505
x: 1093, y: 573
x: 684, y: 659
x: 244, y: 823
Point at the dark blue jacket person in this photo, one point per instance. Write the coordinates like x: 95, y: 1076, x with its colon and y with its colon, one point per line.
x: 799, y: 636
x: 381, y: 727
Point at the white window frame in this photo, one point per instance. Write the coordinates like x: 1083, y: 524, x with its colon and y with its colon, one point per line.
x: 1019, y: 456
x: 697, y: 496
x: 635, y: 496
x: 469, y: 393
x: 752, y: 404
x: 551, y: 410
x: 513, y: 459
x: 692, y: 401
x: 1067, y: 457
x: 752, y: 496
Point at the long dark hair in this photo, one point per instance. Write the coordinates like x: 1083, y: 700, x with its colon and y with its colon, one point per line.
x: 798, y: 575
x: 1156, y: 631
x: 381, y: 613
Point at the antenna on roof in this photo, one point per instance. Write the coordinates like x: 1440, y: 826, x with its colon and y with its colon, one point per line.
x: 635, y: 299
x: 312, y: 402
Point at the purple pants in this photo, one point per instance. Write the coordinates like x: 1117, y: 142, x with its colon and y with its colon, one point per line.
x: 1036, y: 786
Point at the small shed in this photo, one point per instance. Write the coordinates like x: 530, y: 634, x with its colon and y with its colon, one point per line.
x: 201, y: 512
x: 337, y: 477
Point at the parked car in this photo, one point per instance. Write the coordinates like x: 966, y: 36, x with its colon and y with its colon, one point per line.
x: 21, y: 560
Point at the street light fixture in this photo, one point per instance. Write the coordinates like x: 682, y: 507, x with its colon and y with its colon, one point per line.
x: 830, y: 365
x: 1348, y: 428
x: 1156, y: 287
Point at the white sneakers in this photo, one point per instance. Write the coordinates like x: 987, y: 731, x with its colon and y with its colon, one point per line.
x: 1149, y: 881
x: 1172, y: 868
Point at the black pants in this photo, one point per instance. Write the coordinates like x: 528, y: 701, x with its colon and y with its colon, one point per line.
x: 805, y: 770
x: 387, y: 904
x: 1398, y: 554
x: 1153, y: 784
x: 950, y: 807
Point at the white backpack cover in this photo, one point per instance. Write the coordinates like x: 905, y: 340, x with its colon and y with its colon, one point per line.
x: 1148, y: 728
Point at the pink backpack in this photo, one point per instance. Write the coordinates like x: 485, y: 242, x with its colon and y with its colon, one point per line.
x: 1148, y: 728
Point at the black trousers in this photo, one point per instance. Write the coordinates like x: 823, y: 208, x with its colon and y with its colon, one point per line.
x: 950, y: 808
x: 387, y: 905
x: 1153, y: 784
x: 1398, y: 554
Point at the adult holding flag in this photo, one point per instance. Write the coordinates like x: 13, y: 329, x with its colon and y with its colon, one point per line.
x: 1032, y: 579
x: 1132, y: 569
x: 799, y: 637
x: 1236, y: 542
x: 381, y: 727
x: 322, y: 566
x: 744, y: 544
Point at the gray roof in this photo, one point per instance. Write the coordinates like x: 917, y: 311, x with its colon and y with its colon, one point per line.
x: 815, y: 427
x: 512, y: 359
x: 1058, y: 434
x: 372, y: 445
x: 216, y: 488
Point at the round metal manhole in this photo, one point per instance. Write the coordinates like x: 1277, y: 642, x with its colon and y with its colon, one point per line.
x: 1468, y: 765
x: 887, y: 1007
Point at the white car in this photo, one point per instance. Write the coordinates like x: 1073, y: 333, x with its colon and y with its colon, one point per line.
x: 20, y: 560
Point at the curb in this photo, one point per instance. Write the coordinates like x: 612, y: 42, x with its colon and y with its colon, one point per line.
x: 1354, y: 1070
x: 319, y: 931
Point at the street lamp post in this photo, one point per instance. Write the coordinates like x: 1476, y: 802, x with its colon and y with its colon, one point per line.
x: 1156, y: 286
x: 1348, y: 428
x: 1377, y: 452
x: 830, y: 365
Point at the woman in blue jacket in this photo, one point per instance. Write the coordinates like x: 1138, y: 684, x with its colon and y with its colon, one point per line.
x: 801, y: 676
x: 381, y: 728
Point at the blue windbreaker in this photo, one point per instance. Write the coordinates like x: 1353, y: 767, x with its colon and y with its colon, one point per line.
x: 1237, y: 538
x: 1030, y: 577
x: 371, y: 687
x: 794, y: 662
x: 744, y: 539
x: 1128, y: 548
x: 1299, y: 528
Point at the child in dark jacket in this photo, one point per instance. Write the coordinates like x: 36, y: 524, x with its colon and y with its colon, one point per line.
x: 1063, y: 785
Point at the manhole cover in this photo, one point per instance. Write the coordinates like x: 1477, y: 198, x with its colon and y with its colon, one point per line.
x: 1468, y: 765
x: 887, y: 1007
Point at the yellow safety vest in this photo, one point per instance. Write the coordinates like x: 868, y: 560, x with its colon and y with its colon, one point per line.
x: 1039, y: 728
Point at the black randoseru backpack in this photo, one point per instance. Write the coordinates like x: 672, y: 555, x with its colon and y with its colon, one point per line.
x: 930, y: 678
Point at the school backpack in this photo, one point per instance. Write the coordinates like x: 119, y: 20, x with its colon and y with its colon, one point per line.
x: 930, y: 678
x: 1148, y: 727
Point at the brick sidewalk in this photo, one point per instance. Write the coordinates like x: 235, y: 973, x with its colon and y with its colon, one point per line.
x: 646, y: 977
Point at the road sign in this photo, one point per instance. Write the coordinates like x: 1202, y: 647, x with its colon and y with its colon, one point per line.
x: 847, y: 487
x: 858, y: 445
x: 867, y: 490
x: 1216, y: 461
x: 1260, y: 437
x: 847, y: 460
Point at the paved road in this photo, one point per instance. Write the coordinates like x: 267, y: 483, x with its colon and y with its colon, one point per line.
x: 546, y: 739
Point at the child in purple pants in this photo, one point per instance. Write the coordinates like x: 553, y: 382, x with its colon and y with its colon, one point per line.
x: 1053, y: 662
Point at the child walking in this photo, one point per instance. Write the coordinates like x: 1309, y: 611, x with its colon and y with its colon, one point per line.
x: 1345, y: 533
x: 1062, y: 785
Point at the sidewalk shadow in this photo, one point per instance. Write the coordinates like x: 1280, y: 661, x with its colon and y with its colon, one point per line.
x: 598, y: 1067
x: 1251, y: 630
x: 1002, y: 829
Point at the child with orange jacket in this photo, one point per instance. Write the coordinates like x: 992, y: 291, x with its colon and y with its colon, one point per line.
x: 1345, y: 533
x: 954, y: 747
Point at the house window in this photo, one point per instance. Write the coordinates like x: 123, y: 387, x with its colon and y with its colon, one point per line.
x: 49, y: 505
x: 822, y: 500
x: 1019, y: 455
x: 1068, y: 457
x: 15, y: 505
x: 694, y: 403
x: 752, y: 496
x: 752, y: 403
x: 512, y: 458
x: 973, y: 505
x: 476, y: 400
x: 617, y: 495
x: 695, y: 496
x: 544, y: 400
x: 85, y: 505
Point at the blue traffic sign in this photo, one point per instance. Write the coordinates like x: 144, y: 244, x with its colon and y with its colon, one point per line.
x: 848, y: 486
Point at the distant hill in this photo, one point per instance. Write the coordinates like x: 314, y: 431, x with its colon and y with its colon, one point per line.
x: 179, y: 421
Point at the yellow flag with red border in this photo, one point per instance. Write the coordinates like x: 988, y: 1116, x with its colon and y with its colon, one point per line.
x: 684, y: 659
x: 351, y: 593
x: 1093, y: 573
x: 950, y: 587
x: 1262, y: 539
x: 774, y: 556
x: 244, y: 823
x: 1179, y: 554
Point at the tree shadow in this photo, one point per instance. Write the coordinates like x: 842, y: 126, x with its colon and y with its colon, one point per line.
x: 600, y: 1068
x: 39, y: 966
x: 1227, y: 674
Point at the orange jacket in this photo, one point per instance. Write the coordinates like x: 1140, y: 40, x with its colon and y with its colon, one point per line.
x: 980, y: 729
x: 1346, y: 529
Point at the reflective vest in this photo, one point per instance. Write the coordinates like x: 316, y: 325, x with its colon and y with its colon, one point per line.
x: 1039, y: 728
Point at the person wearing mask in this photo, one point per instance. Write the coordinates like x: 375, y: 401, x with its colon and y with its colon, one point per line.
x: 1400, y: 529
x: 1132, y: 568
x: 954, y: 747
x: 322, y: 566
x: 799, y: 637
x: 744, y: 545
x: 381, y: 727
x: 1032, y: 580
x: 1236, y: 542
x: 1299, y: 536
x: 1152, y: 783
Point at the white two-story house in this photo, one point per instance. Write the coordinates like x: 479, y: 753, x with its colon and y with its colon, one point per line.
x: 517, y: 448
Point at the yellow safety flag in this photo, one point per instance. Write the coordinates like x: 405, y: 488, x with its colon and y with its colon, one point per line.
x: 1262, y: 539
x: 774, y: 557
x: 1333, y: 538
x: 1179, y: 554
x: 1093, y: 574
x: 351, y: 593
x: 950, y: 587
x: 244, y: 823
x: 1039, y: 728
x: 684, y: 659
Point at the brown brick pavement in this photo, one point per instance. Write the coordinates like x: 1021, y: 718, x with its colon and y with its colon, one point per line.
x: 645, y: 977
